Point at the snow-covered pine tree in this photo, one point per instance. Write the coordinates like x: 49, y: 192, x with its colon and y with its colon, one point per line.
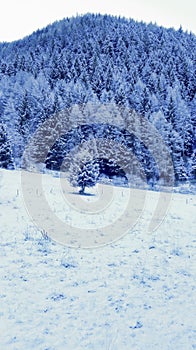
x: 6, y: 160
x: 84, y: 168
x: 84, y: 174
x: 88, y: 175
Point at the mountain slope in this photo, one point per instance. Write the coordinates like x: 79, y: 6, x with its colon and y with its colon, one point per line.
x: 105, y: 59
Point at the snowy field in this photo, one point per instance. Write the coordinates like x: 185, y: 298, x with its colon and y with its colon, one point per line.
x: 136, y: 293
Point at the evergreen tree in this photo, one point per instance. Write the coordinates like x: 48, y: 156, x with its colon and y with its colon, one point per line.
x: 84, y: 173
x: 6, y: 160
x: 88, y: 175
x: 24, y: 115
x: 84, y: 168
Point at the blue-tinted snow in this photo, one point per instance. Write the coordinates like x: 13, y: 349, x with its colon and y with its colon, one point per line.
x: 137, y: 293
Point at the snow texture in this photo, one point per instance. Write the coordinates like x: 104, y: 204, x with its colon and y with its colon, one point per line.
x: 137, y: 293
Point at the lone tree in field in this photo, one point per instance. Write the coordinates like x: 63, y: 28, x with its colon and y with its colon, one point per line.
x: 84, y: 174
x: 88, y: 175
x: 84, y: 168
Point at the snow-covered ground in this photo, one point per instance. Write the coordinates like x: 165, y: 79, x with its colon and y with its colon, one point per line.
x: 136, y: 293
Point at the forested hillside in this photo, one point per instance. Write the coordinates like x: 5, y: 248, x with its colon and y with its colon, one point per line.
x: 101, y: 59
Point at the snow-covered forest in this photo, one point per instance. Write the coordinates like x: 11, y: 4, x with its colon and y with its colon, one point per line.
x: 101, y: 59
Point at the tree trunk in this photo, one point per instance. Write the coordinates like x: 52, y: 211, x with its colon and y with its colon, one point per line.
x: 82, y: 189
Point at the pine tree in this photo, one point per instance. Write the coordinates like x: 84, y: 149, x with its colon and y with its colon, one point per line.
x: 24, y: 115
x: 84, y: 168
x: 88, y: 175
x: 84, y: 174
x: 6, y: 160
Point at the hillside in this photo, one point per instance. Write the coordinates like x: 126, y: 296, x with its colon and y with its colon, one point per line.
x: 101, y: 60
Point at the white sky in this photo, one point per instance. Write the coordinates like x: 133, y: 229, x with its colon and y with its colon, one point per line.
x: 19, y: 18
